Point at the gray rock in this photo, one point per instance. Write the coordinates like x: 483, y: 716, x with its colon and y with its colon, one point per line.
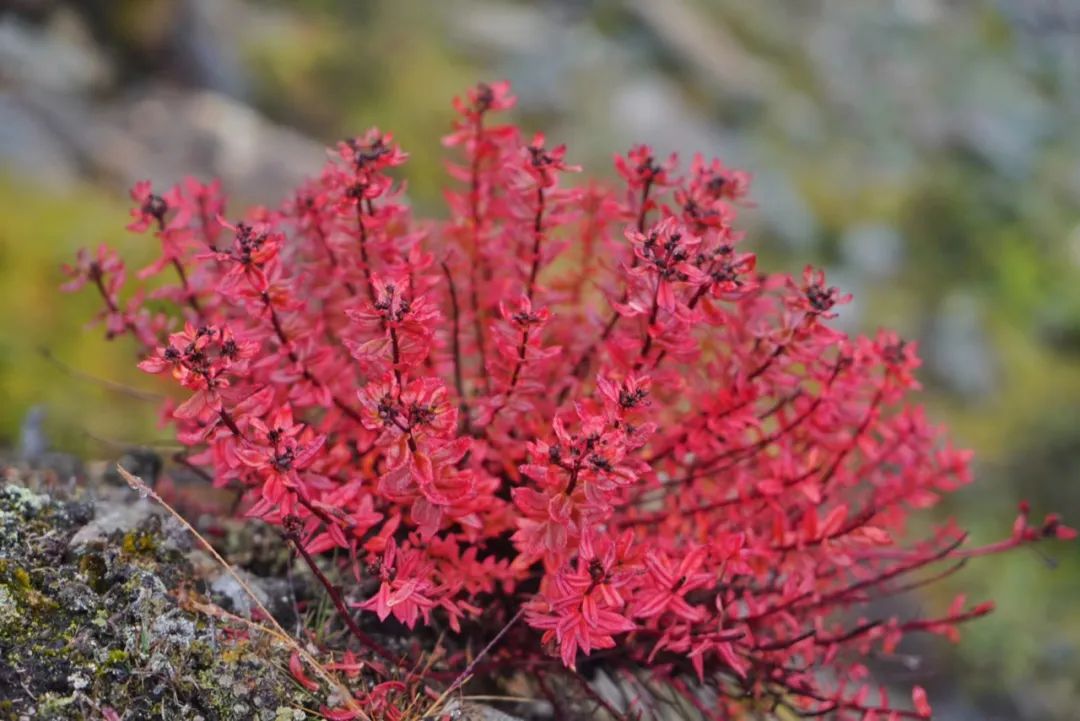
x: 472, y: 711
x: 206, y: 48
x: 789, y: 215
x: 1004, y: 118
x: 849, y: 316
x: 112, y: 518
x: 958, y: 351
x: 32, y: 439
x: 707, y: 49
x: 58, y: 56
x: 872, y: 250
x: 31, y: 151
x: 651, y: 107
x: 273, y: 593
x: 163, y: 134
x: 516, y: 30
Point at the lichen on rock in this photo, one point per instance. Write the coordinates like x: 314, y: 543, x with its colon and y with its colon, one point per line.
x: 97, y: 624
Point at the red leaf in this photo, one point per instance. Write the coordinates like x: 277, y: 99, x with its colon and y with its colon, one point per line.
x: 297, y: 670
x: 922, y: 706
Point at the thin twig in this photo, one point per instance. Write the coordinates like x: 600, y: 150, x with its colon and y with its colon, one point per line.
x: 464, y: 676
x: 459, y: 383
x: 338, y: 601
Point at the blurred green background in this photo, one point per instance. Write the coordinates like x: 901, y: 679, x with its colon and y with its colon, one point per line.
x: 927, y: 152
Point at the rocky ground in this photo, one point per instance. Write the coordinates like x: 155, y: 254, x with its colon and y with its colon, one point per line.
x: 110, y: 609
x: 94, y: 618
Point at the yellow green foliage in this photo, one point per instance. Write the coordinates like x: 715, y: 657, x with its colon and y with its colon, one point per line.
x: 40, y: 231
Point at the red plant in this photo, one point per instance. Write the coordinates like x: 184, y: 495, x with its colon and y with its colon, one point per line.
x: 580, y: 405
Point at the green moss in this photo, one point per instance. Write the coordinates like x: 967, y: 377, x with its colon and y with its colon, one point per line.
x: 21, y: 591
x: 92, y: 567
x: 21, y: 579
x: 137, y: 543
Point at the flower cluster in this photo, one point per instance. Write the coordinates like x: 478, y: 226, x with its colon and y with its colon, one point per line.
x: 577, y: 405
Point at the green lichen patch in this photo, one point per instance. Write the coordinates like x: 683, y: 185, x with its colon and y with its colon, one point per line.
x: 86, y: 627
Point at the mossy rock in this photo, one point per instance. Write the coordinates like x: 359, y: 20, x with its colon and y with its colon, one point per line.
x: 98, y: 626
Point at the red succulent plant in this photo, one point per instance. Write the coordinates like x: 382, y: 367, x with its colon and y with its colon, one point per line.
x: 580, y: 405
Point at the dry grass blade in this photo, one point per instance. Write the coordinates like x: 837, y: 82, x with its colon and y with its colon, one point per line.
x: 277, y: 631
x: 467, y: 673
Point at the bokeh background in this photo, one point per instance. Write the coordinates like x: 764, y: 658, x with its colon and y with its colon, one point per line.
x: 927, y: 152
